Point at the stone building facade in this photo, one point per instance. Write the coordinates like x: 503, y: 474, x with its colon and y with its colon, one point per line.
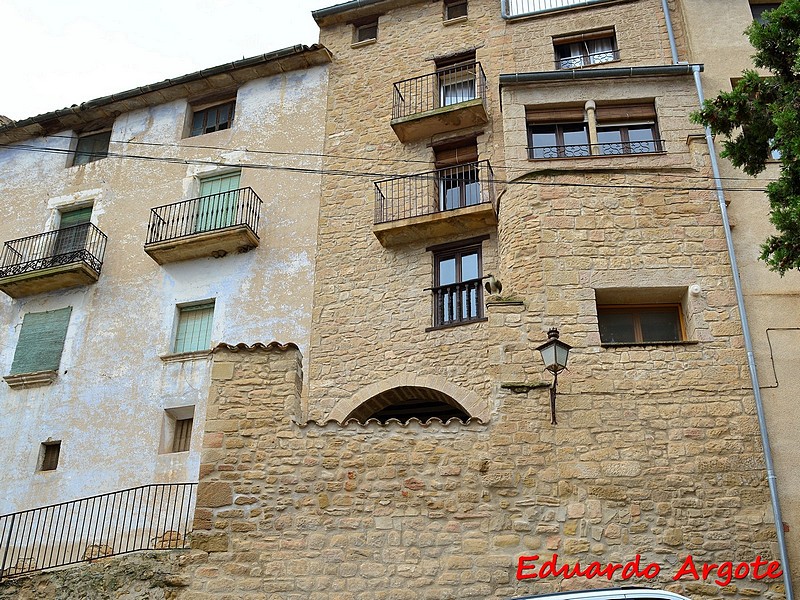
x: 147, y: 200
x: 597, y: 204
x: 402, y: 445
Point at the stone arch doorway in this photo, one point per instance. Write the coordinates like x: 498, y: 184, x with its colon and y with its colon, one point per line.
x: 402, y: 395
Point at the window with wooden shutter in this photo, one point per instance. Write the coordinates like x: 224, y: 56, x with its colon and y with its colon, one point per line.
x: 49, y: 454
x: 194, y: 327
x: 41, y: 341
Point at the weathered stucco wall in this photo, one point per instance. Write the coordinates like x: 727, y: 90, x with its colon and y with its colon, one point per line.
x: 107, y: 404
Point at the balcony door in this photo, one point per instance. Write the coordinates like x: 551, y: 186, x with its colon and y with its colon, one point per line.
x: 216, y: 207
x: 457, y: 175
x: 456, y: 77
x: 72, y: 231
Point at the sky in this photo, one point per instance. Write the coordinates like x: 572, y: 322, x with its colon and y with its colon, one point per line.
x: 56, y: 53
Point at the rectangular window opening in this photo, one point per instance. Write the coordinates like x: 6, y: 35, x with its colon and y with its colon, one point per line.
x: 757, y: 9
x: 457, y: 287
x: 457, y: 79
x: 176, y: 430
x: 49, y: 453
x: 454, y: 9
x: 212, y: 118
x: 586, y: 49
x: 193, y: 332
x: 365, y: 31
x: 640, y: 324
x: 41, y: 341
x: 91, y: 147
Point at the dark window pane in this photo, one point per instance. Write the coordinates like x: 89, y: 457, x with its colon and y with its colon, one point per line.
x: 91, y: 148
x: 660, y: 326
x: 617, y: 327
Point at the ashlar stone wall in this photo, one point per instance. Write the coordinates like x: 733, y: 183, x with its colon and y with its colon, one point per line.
x: 293, y: 510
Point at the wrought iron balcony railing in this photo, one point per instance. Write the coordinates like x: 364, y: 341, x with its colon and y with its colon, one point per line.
x: 446, y: 87
x: 603, y: 149
x: 520, y: 8
x: 80, y: 243
x: 587, y: 60
x: 458, y: 302
x: 204, y: 214
x: 434, y: 192
x: 150, y: 517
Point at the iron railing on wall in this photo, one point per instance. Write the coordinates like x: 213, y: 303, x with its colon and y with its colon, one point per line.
x: 79, y: 243
x: 587, y: 60
x: 602, y: 149
x: 150, y: 517
x: 458, y: 302
x: 206, y: 213
x: 446, y: 87
x: 434, y: 191
x: 520, y: 8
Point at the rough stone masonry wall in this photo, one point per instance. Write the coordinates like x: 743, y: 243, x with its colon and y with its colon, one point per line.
x: 444, y: 512
x: 150, y: 575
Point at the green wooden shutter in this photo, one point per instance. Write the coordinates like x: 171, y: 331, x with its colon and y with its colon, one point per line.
x: 41, y: 341
x: 217, y: 207
x: 194, y: 328
x: 75, y: 217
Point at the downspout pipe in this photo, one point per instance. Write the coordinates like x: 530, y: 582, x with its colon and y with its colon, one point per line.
x: 748, y: 342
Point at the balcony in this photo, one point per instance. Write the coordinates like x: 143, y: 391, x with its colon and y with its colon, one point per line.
x: 447, y: 100
x: 52, y: 260
x: 616, y: 148
x: 580, y: 61
x: 213, y: 225
x: 522, y: 8
x: 444, y: 202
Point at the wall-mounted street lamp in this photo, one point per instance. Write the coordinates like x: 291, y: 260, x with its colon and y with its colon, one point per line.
x: 554, y: 354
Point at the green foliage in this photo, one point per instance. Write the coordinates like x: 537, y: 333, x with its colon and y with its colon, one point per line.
x: 762, y: 114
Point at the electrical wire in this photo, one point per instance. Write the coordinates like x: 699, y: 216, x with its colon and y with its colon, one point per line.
x: 378, y: 176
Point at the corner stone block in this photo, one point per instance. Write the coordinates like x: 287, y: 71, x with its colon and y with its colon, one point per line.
x: 222, y: 370
x: 213, y: 494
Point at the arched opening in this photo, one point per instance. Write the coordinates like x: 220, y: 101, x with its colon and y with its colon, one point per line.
x: 407, y: 402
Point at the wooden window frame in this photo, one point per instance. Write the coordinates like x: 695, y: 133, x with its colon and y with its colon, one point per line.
x: 365, y: 31
x: 218, y: 125
x: 561, y: 42
x: 183, y: 309
x: 456, y: 251
x: 561, y: 148
x: 457, y: 5
x: 624, y: 129
x: 635, y: 310
x: 29, y: 343
x: 97, y: 139
x: 49, y: 455
x: 182, y: 436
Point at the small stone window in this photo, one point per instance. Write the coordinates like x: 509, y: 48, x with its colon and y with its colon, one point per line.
x: 365, y: 31
x: 176, y: 431
x: 641, y: 316
x: 454, y: 9
x: 49, y: 453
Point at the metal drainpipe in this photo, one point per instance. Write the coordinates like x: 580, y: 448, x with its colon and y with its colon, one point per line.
x: 748, y: 343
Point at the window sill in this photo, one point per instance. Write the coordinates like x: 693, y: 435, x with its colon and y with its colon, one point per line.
x: 30, y: 380
x: 643, y: 344
x: 363, y: 43
x: 454, y: 21
x: 184, y: 356
x: 459, y: 324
